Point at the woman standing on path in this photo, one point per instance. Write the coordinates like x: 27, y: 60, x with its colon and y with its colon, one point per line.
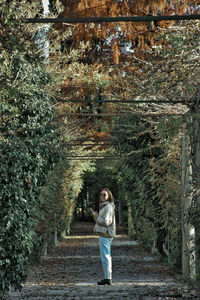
x: 105, y: 228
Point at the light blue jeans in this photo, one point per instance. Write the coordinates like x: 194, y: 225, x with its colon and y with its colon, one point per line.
x: 105, y: 253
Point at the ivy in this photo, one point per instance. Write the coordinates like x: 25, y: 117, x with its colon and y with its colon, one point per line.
x: 29, y: 148
x: 149, y: 179
x: 169, y: 128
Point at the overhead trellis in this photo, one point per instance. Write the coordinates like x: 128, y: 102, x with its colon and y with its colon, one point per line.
x: 116, y: 101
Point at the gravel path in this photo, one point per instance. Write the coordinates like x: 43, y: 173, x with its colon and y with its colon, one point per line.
x: 73, y: 268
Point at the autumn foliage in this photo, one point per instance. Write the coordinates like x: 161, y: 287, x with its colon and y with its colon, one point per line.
x: 114, y: 36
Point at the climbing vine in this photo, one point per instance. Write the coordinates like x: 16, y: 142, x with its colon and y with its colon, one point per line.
x: 29, y: 147
x: 150, y: 186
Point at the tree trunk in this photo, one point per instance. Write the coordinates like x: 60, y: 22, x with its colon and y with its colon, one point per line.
x: 188, y: 232
x: 55, y: 237
x: 196, y: 186
x: 131, y: 230
x: 120, y: 214
x: 161, y: 235
x: 195, y: 109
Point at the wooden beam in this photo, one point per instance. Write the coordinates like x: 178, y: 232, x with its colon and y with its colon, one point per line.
x: 116, y: 114
x: 92, y: 156
x: 83, y: 140
x: 89, y: 145
x: 99, y: 158
x: 120, y: 101
x: 111, y: 19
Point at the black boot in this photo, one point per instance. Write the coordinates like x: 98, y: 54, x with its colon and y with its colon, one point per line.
x: 105, y: 281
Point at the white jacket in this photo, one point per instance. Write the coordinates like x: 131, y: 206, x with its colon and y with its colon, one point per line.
x: 105, y: 222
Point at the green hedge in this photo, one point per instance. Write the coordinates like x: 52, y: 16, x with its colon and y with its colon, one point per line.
x: 28, y: 139
x: 149, y: 178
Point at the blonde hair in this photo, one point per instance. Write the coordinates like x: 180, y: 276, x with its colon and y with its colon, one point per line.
x: 110, y: 195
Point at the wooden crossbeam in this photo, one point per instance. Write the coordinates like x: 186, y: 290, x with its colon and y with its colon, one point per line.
x: 113, y: 158
x: 120, y: 101
x: 112, y: 19
x: 84, y: 115
x: 92, y: 156
x: 83, y: 140
x: 95, y: 144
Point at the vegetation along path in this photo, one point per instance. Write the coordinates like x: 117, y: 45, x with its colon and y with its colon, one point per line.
x: 72, y: 269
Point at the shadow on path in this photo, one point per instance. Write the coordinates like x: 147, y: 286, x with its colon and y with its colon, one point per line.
x: 72, y: 269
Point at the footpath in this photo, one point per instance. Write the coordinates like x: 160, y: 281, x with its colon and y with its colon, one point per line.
x: 72, y: 269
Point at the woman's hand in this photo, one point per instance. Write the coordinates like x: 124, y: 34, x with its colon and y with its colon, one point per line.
x: 94, y: 213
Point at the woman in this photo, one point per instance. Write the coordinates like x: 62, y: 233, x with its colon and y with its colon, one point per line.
x: 105, y: 228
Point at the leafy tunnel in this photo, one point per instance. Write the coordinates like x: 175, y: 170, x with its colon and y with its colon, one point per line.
x: 112, y: 105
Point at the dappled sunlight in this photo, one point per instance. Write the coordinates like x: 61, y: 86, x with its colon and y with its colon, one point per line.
x: 71, y: 237
x: 127, y: 283
x: 85, y: 283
